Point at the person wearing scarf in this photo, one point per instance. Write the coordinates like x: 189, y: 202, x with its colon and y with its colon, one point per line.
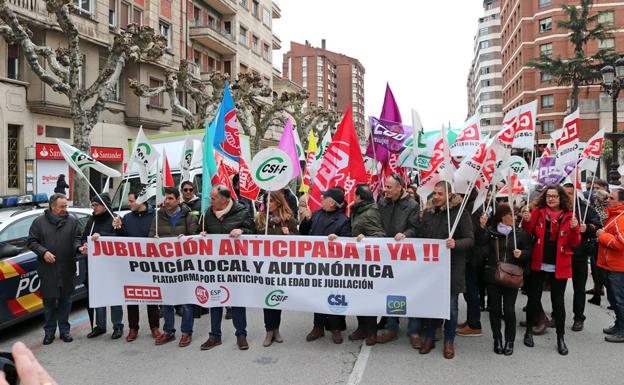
x: 556, y: 231
x: 504, y: 244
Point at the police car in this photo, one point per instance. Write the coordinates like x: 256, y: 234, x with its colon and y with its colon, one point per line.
x: 19, y: 281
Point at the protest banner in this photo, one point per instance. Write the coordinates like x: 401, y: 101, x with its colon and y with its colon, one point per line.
x: 374, y: 277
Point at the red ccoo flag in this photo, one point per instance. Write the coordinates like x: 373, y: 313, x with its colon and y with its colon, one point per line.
x: 342, y: 164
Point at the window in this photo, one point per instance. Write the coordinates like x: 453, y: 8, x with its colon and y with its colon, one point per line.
x: 243, y: 69
x: 544, y: 3
x: 83, y: 6
x: 82, y: 70
x: 484, y: 71
x: 485, y: 83
x: 13, y: 156
x: 606, y: 17
x: 117, y: 91
x: 255, y: 9
x: 165, y: 30
x: 124, y: 15
x: 320, y: 101
x: 243, y: 3
x: 483, y: 31
x: 548, y: 126
x: 137, y: 16
x: 545, y: 77
x: 243, y: 39
x: 255, y: 44
x: 545, y: 25
x: 156, y: 100
x: 58, y: 132
x: 266, y: 17
x: 546, y: 49
x: 211, y: 64
x: 607, y: 43
x: 112, y: 13
x: 266, y: 52
x: 484, y: 44
x: 227, y: 28
x: 547, y: 101
x: 13, y: 67
x: 16, y: 233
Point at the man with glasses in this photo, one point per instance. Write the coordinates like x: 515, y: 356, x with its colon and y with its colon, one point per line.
x: 226, y: 216
x: 55, y: 238
x: 189, y: 199
x: 400, y: 217
x: 101, y: 223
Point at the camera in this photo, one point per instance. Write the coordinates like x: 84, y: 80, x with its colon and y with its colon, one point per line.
x: 7, y: 365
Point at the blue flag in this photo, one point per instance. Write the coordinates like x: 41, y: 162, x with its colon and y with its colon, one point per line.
x: 226, y: 137
x: 209, y: 165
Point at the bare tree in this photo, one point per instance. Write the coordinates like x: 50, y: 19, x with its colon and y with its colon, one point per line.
x: 316, y: 119
x: 64, y: 66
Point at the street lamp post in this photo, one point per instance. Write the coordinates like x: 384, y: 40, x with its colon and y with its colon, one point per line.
x: 612, y: 83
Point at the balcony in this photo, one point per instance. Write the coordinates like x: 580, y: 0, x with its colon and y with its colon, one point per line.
x: 193, y: 70
x: 224, y: 7
x: 277, y: 42
x: 213, y: 37
x: 33, y: 9
x: 276, y: 11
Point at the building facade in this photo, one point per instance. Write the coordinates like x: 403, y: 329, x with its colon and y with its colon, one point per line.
x: 333, y: 80
x: 484, y: 83
x: 528, y: 29
x: 230, y: 36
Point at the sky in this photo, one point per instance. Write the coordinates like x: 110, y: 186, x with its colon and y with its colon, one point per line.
x: 420, y: 48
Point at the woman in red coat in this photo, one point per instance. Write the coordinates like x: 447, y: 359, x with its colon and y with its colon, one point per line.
x: 555, y: 231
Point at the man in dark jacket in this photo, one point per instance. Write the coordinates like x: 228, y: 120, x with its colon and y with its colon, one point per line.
x: 331, y: 221
x: 248, y: 203
x: 174, y: 220
x: 137, y: 224
x: 435, y: 224
x: 192, y: 201
x: 399, y: 214
x: 55, y: 238
x: 226, y: 216
x: 101, y: 223
x: 587, y: 248
x: 365, y: 222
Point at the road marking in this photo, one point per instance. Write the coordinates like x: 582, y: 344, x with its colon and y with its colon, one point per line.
x: 75, y: 324
x: 360, y: 365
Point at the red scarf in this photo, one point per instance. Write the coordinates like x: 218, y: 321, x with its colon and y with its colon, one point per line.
x: 553, y: 217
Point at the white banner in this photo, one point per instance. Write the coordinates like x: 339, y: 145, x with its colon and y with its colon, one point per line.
x: 375, y: 277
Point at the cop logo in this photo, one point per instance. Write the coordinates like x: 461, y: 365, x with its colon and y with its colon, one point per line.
x: 275, y: 298
x: 396, y: 305
x: 337, y: 303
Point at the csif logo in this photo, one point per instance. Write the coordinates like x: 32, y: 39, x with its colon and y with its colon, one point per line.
x: 396, y: 305
x: 337, y: 303
x: 275, y: 298
x: 271, y: 168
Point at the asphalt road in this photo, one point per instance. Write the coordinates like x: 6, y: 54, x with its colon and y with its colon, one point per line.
x: 106, y: 361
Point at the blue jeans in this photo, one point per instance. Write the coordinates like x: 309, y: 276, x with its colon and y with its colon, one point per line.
x: 616, y: 287
x: 449, y: 325
x: 56, y: 312
x: 414, y: 326
x: 239, y: 318
x: 187, y: 319
x: 116, y: 317
x: 471, y: 296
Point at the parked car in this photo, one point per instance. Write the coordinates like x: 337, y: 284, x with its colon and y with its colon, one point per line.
x: 19, y: 281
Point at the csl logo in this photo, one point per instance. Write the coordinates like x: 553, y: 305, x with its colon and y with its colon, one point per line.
x: 337, y: 303
x: 396, y: 305
x: 142, y: 292
x: 271, y: 168
x: 275, y: 298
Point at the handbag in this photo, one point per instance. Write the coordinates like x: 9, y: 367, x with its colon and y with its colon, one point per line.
x: 508, y: 274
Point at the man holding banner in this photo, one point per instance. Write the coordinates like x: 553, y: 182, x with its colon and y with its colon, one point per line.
x: 174, y: 220
x: 226, y: 216
x: 435, y: 224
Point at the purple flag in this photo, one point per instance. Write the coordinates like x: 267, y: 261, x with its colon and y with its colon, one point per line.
x: 390, y: 113
x: 287, y: 144
x: 549, y: 173
x: 388, y: 137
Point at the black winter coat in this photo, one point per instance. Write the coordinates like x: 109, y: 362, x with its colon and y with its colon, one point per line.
x: 491, y: 239
x: 137, y: 223
x: 589, y: 242
x: 326, y: 223
x: 101, y: 224
x: 434, y: 224
x: 401, y: 216
x: 63, y: 240
x: 237, y: 218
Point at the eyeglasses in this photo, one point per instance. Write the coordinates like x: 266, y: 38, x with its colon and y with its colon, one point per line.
x: 548, y: 196
x: 95, y: 204
x: 187, y: 190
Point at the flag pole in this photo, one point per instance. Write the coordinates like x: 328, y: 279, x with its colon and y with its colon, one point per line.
x: 448, y: 208
x: 96, y: 193
x: 266, y: 219
x: 590, y: 193
x: 461, y: 208
x: 511, y: 205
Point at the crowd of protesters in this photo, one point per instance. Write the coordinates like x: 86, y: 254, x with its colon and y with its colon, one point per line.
x: 549, y: 240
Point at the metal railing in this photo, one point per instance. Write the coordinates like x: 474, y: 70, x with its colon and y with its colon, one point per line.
x: 29, y: 5
x: 213, y: 26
